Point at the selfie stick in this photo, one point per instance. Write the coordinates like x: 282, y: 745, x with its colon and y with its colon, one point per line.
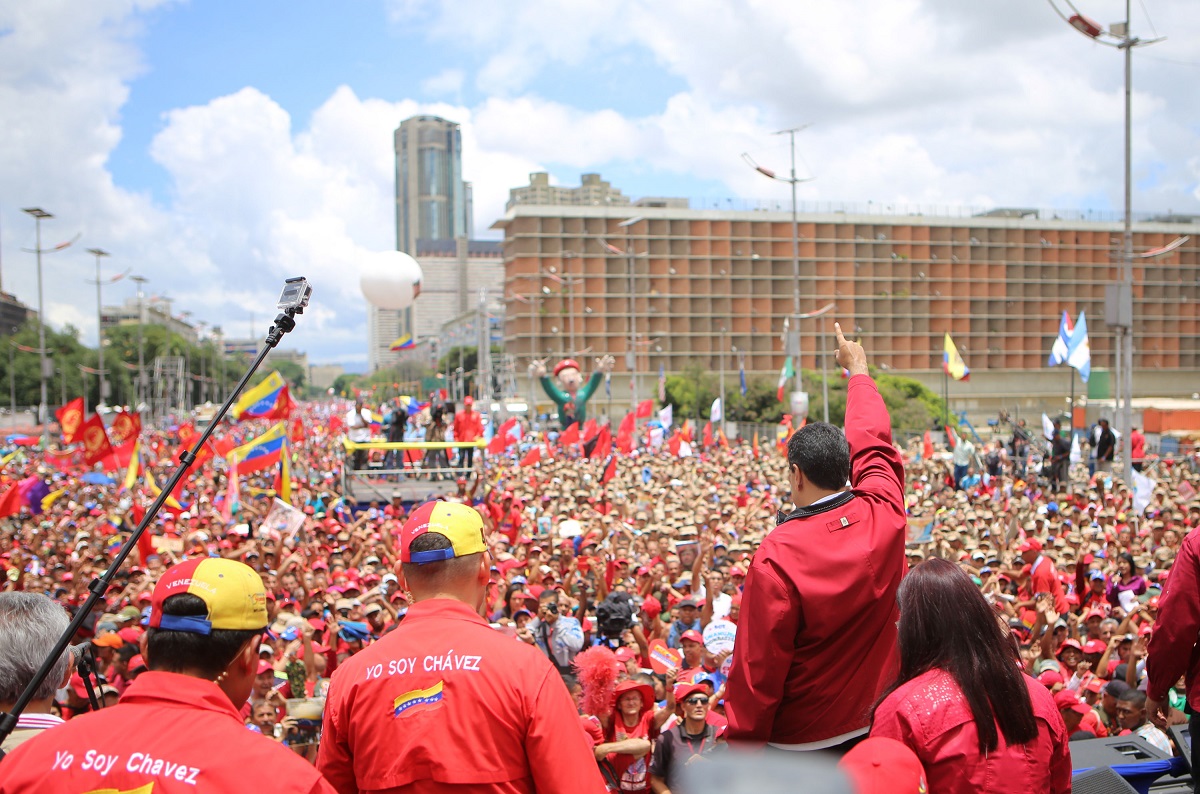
x: 296, y: 293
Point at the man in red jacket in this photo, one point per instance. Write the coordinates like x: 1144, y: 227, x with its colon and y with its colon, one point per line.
x: 445, y: 702
x: 816, y: 640
x: 177, y: 728
x: 1174, y: 649
x: 468, y: 426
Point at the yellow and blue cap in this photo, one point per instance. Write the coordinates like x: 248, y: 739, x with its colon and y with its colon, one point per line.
x: 233, y: 592
x: 458, y: 523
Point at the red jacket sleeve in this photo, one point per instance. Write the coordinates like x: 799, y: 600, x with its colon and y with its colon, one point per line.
x: 1173, y: 643
x: 875, y: 465
x: 559, y: 751
x: 889, y: 722
x: 762, y: 655
x: 333, y: 755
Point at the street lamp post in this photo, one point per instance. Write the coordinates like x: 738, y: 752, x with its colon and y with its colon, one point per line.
x: 38, y: 215
x: 722, y: 366
x: 1118, y: 310
x: 793, y: 337
x: 99, y: 253
x: 139, y: 399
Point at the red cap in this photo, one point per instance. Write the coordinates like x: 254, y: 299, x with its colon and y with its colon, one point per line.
x: 625, y: 653
x: 564, y: 364
x: 1050, y: 677
x: 1067, y: 700
x: 1069, y: 643
x: 652, y: 607
x: 264, y: 667
x: 685, y: 690
x: 1094, y: 646
x: 1032, y: 544
x: 882, y: 766
x: 1095, y: 685
x: 692, y: 634
x: 1093, y: 613
x: 136, y: 662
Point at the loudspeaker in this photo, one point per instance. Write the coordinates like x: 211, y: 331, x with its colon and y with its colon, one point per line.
x: 1114, y: 751
x: 1100, y: 781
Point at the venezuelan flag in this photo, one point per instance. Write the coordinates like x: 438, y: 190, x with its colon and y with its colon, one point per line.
x: 267, y: 400
x: 283, y: 480
x: 135, y: 462
x: 418, y: 700
x: 262, y: 452
x: 403, y: 343
x: 172, y: 503
x: 952, y: 362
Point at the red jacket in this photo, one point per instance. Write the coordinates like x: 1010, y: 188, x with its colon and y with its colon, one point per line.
x: 171, y: 732
x: 468, y: 425
x: 1173, y: 647
x: 446, y: 700
x: 931, y: 716
x: 816, y: 640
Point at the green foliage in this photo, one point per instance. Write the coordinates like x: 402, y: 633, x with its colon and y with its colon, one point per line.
x: 912, y: 406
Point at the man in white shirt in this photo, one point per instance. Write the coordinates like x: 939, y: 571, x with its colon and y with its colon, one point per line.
x: 964, y: 453
x: 358, y: 430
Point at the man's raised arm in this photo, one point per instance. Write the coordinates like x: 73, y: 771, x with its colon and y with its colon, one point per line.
x: 875, y: 465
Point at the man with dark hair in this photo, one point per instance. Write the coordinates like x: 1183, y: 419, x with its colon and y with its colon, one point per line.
x: 177, y: 727
x: 816, y: 639
x: 444, y: 702
x: 1060, y: 459
x: 1106, y: 447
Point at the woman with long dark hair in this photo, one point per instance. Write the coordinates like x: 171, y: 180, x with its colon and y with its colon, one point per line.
x: 1127, y: 580
x: 961, y: 700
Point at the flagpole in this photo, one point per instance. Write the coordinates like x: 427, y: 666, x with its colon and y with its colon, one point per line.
x: 946, y: 393
x: 1071, y: 408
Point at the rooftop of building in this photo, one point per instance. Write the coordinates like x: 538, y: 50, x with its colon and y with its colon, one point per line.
x: 449, y: 248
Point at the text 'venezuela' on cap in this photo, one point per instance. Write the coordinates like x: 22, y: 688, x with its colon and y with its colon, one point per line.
x: 458, y: 523
x: 232, y: 591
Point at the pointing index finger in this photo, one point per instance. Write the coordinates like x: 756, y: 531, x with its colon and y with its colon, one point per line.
x: 837, y: 327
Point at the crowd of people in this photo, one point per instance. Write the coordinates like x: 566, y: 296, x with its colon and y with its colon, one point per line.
x: 686, y: 604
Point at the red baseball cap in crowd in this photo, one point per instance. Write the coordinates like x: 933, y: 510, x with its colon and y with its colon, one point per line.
x: 232, y: 591
x: 693, y: 635
x: 1067, y: 700
x: 1095, y: 685
x: 1033, y: 544
x: 136, y: 663
x: 1094, y: 646
x: 1069, y: 643
x: 458, y: 523
x: 652, y: 607
x: 1049, y: 678
x: 879, y: 765
x: 685, y: 690
x: 625, y: 653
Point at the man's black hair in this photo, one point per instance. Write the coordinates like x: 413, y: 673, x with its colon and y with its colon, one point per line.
x: 822, y: 454
x: 127, y: 652
x: 178, y: 651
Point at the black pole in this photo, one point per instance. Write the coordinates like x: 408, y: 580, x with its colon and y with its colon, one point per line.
x: 284, y: 323
x: 1071, y: 410
x: 946, y: 393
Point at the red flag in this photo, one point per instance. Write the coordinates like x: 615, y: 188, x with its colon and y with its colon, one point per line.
x: 950, y: 437
x: 533, y: 456
x: 145, y: 546
x: 722, y: 439
x: 686, y: 430
x: 125, y: 429
x: 590, y: 429
x: 70, y: 417
x: 507, y: 426
x: 627, y: 425
x: 603, y: 446
x: 224, y: 445
x: 121, y: 455
x: 927, y: 448
x: 673, y: 443
x: 755, y: 446
x: 11, y: 502
x: 96, y: 446
x: 570, y: 436
x: 335, y: 424
x: 645, y: 409
x: 610, y: 470
x: 496, y: 445
x: 297, y: 431
x: 625, y: 444
x: 187, y: 432
x: 707, y: 437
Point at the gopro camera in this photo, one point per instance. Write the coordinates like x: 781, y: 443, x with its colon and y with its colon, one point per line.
x: 296, y: 292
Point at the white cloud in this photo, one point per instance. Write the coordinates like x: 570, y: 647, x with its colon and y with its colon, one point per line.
x: 445, y: 82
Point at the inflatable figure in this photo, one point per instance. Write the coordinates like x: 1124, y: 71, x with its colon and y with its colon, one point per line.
x: 567, y: 389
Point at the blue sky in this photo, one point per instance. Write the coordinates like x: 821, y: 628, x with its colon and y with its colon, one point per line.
x: 218, y: 147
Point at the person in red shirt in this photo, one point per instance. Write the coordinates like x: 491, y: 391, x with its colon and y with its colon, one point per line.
x: 468, y: 426
x: 1174, y: 650
x: 629, y: 733
x: 816, y: 638
x: 444, y: 702
x: 961, y: 701
x: 176, y: 728
x: 1037, y: 577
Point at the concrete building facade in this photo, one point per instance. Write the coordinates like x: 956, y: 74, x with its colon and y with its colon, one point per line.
x: 154, y: 310
x: 592, y: 191
x: 677, y: 285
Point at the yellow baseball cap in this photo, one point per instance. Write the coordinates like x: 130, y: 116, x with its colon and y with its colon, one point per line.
x: 460, y: 524
x: 232, y: 590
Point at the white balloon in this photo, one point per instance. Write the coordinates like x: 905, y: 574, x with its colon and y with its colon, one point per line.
x: 390, y: 279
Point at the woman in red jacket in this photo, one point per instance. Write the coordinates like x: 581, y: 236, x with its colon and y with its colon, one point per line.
x: 961, y: 702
